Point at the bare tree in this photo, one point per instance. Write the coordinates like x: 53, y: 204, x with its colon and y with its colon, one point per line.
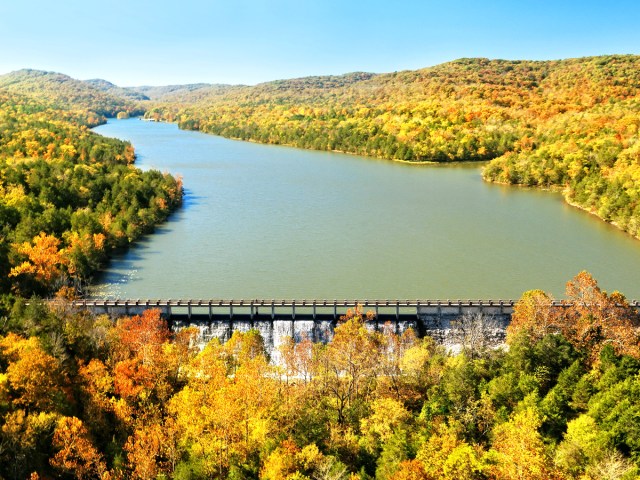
x: 475, y: 333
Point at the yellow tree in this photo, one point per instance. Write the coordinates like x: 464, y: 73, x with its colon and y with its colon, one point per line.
x: 349, y: 364
x: 96, y: 385
x: 251, y: 396
x: 535, y: 315
x: 44, y: 261
x: 21, y: 437
x: 387, y: 416
x: 518, y: 452
x: 411, y: 470
x: 207, y: 424
x: 35, y: 378
x: 392, y: 350
x: 445, y: 456
x: 298, y: 358
x: 145, y: 451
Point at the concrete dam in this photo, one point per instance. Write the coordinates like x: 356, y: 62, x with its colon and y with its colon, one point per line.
x: 314, y: 319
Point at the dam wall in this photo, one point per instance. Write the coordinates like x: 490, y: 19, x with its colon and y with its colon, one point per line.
x: 316, y: 319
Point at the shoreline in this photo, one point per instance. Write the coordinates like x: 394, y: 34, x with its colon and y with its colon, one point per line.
x: 565, y: 196
x: 364, y: 155
x: 481, y: 163
x: 595, y: 214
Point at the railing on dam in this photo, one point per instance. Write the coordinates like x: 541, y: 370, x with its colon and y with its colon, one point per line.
x: 293, y: 309
x: 304, y: 309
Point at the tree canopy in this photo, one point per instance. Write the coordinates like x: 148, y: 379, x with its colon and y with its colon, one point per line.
x: 68, y: 196
x: 84, y: 397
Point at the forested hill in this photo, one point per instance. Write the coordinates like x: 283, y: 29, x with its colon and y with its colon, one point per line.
x: 115, y: 90
x: 67, y: 195
x: 172, y: 93
x: 570, y: 124
x: 469, y: 109
x: 63, y: 92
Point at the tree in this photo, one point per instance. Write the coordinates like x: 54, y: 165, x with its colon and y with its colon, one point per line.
x: 36, y: 379
x: 582, y: 445
x: 44, y: 262
x: 347, y: 368
x: 533, y: 314
x: 476, y: 333
x: 595, y: 319
x: 298, y: 358
x: 518, y: 450
x: 143, y: 334
x: 590, y: 319
x: 145, y: 450
x: 25, y: 442
x: 444, y: 455
x: 393, y: 349
x: 387, y: 417
x: 76, y: 453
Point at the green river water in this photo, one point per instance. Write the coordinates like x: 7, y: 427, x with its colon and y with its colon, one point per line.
x: 263, y: 221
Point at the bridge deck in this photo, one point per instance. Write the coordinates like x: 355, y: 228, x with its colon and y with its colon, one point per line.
x: 303, y: 309
x: 298, y: 309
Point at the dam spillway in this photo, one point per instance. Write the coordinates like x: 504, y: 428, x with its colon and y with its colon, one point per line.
x: 312, y: 319
x: 316, y: 319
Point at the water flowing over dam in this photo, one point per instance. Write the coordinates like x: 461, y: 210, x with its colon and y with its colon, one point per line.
x: 446, y: 321
x: 313, y: 319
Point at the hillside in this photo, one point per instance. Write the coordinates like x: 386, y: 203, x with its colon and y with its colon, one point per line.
x: 63, y: 92
x: 566, y: 124
x: 175, y: 92
x: 68, y: 197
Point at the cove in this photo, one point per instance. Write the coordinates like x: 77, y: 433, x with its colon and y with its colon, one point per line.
x: 263, y: 221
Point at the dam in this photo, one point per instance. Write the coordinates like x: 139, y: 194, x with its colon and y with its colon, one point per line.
x: 312, y: 319
x: 443, y: 320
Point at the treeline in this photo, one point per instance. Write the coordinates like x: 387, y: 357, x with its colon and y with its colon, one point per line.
x: 81, y: 397
x: 569, y: 124
x: 68, y: 197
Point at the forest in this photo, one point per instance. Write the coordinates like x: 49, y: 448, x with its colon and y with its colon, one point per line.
x: 84, y: 397
x: 88, y: 397
x: 68, y: 197
x: 570, y: 125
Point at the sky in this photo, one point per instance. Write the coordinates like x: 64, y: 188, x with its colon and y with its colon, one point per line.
x: 158, y: 42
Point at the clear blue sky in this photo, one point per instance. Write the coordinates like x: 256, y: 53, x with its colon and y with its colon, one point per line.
x: 157, y: 42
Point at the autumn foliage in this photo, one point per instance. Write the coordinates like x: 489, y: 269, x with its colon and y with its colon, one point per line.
x: 68, y: 196
x: 570, y: 125
x: 590, y: 319
x: 86, y: 397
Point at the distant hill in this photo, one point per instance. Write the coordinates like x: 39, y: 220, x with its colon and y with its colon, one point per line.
x: 65, y: 92
x: 115, y: 90
x: 297, y: 87
x: 173, y: 92
x: 469, y: 109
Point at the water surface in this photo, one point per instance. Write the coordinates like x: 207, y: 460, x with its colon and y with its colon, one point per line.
x: 263, y: 221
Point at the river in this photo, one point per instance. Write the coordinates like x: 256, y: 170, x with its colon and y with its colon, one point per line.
x: 263, y: 221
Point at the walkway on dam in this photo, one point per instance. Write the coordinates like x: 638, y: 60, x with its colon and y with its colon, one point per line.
x: 298, y: 309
